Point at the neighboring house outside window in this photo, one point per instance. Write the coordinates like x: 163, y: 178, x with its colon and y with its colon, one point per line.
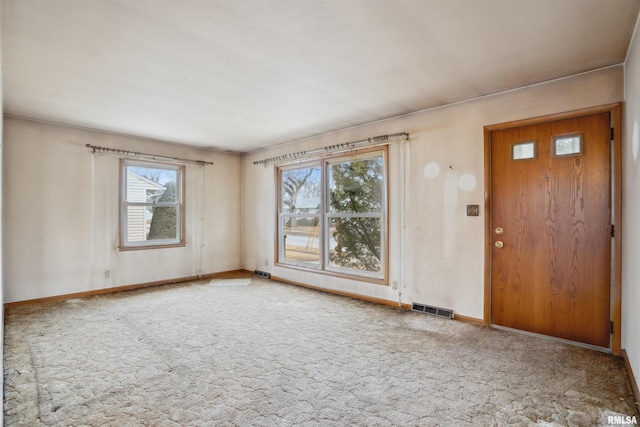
x: 332, y: 215
x: 151, y: 205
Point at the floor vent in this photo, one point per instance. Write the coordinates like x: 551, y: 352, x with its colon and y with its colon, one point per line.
x: 435, y: 311
x: 262, y: 274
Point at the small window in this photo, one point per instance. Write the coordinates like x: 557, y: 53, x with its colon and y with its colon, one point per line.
x: 524, y: 150
x: 151, y: 206
x: 569, y: 145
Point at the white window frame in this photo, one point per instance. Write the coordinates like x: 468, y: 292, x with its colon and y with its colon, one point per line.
x: 325, y: 216
x: 178, y: 241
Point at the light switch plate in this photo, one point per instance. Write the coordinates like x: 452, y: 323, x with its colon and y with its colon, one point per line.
x: 473, y: 210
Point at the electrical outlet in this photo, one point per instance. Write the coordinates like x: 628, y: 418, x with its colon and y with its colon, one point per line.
x: 266, y: 263
x: 107, y: 274
x: 394, y: 284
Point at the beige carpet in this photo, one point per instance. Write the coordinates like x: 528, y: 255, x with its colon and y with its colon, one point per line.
x: 232, y: 353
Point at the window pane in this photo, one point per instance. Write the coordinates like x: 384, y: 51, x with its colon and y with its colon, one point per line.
x: 151, y: 223
x: 355, y: 243
x: 524, y: 150
x: 301, y: 239
x: 301, y: 190
x: 150, y: 185
x: 567, y: 145
x: 356, y: 186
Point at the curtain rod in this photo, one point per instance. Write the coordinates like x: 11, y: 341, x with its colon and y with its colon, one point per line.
x: 144, y: 156
x: 337, y: 148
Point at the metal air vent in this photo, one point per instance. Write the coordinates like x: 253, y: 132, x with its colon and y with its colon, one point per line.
x: 435, y: 311
x: 262, y: 274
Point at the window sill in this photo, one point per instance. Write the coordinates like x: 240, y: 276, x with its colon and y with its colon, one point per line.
x: 143, y: 247
x: 355, y: 277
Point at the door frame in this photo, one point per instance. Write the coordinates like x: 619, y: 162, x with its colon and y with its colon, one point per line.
x: 614, y: 111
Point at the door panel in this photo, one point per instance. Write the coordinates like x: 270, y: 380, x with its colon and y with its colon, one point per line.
x: 551, y: 275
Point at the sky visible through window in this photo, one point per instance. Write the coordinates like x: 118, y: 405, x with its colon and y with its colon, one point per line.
x: 159, y: 175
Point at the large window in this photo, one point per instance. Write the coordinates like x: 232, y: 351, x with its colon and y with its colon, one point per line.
x: 331, y: 215
x: 151, y: 207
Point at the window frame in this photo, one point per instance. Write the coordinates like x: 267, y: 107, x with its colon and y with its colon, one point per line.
x: 325, y: 216
x: 179, y: 205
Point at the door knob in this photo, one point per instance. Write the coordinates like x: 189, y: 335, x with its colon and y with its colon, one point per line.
x: 499, y: 244
x: 499, y: 230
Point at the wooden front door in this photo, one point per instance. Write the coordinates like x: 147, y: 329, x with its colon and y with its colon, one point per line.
x: 551, y: 228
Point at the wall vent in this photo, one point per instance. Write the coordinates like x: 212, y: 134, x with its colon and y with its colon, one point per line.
x: 435, y: 311
x: 262, y: 274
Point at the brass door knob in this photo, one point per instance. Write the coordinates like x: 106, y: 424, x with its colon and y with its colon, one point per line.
x: 499, y: 244
x: 499, y: 230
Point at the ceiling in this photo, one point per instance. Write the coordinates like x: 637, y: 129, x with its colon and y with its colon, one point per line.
x: 244, y: 75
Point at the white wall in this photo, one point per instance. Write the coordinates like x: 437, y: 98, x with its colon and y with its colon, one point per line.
x: 438, y: 258
x: 61, y: 213
x: 631, y: 207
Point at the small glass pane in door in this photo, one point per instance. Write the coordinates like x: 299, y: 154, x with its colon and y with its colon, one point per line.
x: 567, y: 145
x: 524, y: 150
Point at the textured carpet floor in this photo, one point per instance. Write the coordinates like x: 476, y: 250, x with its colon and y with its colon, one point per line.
x: 269, y: 354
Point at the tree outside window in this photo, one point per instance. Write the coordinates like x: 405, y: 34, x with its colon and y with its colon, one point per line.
x: 355, y: 214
